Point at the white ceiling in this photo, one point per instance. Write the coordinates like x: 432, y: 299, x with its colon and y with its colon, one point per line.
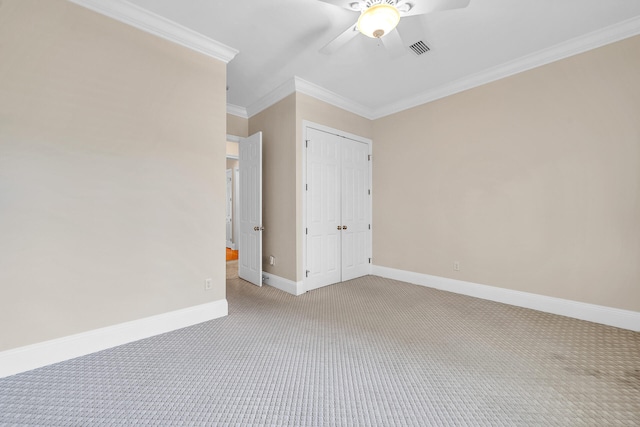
x: 280, y: 39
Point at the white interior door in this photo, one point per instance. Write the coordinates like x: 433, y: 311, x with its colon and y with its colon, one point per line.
x: 338, y: 234
x: 323, y: 209
x: 355, y: 213
x: 250, y: 207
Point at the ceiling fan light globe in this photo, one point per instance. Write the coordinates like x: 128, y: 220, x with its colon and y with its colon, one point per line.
x: 378, y: 20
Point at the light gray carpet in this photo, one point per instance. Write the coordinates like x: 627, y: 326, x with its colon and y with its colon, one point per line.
x: 366, y: 352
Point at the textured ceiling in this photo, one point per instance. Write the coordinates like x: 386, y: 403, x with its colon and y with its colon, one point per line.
x: 280, y: 39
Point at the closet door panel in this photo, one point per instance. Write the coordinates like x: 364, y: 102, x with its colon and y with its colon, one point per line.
x: 323, y: 210
x: 355, y: 209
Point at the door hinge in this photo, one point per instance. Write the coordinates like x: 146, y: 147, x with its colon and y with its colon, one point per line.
x: 369, y: 157
x: 306, y: 143
x: 369, y: 226
x: 369, y: 191
x: 307, y: 273
x: 369, y: 260
x: 306, y: 187
x: 306, y: 231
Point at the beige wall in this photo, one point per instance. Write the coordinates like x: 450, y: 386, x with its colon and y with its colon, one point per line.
x: 232, y: 163
x: 277, y: 124
x: 314, y: 110
x: 531, y: 182
x: 237, y: 126
x: 112, y: 159
x: 233, y: 148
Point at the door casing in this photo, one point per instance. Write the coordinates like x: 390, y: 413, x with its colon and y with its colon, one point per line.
x: 230, y: 209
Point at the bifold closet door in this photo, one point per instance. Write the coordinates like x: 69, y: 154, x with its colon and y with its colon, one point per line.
x: 337, y: 233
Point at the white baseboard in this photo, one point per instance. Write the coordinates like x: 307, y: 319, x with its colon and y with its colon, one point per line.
x: 286, y: 285
x: 45, y: 353
x: 624, y: 319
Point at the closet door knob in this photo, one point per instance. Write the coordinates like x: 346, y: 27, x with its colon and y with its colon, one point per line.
x: 344, y: 227
x: 339, y: 227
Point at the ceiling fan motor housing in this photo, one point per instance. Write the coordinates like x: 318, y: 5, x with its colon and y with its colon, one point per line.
x: 369, y: 3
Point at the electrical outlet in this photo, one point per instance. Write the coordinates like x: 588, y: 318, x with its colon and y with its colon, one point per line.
x: 272, y: 260
x: 207, y: 284
x: 456, y: 265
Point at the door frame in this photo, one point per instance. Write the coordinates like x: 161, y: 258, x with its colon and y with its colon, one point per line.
x: 236, y: 139
x: 306, y: 124
x: 236, y: 207
x: 230, y: 201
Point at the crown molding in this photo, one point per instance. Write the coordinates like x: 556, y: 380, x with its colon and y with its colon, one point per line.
x: 296, y: 84
x: 593, y: 40
x: 144, y: 20
x: 236, y: 110
x: 590, y: 41
x: 332, y: 98
x: 278, y: 94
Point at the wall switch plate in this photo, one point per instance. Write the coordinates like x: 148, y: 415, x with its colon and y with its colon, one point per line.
x: 456, y: 265
x: 207, y: 284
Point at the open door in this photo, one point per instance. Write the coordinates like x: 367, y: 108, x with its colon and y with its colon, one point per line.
x: 250, y: 207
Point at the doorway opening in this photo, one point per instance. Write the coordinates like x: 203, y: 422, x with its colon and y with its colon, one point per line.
x: 231, y: 254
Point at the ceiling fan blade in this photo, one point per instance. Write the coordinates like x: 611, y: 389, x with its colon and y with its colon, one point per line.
x: 420, y: 7
x: 340, y: 41
x: 412, y: 29
x: 394, y: 44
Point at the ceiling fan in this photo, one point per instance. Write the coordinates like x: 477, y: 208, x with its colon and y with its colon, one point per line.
x: 379, y: 18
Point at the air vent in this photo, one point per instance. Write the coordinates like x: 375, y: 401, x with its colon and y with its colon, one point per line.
x: 419, y: 48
